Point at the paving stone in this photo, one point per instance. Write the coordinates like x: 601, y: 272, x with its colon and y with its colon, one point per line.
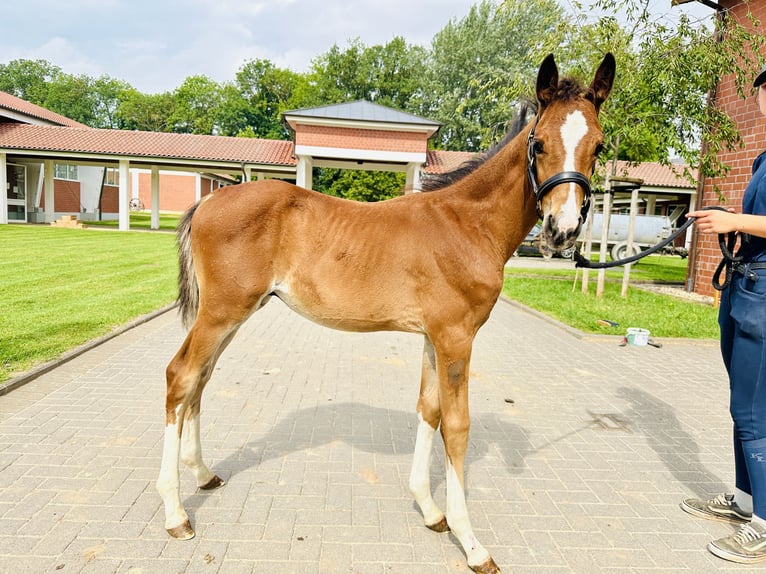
x: 313, y: 430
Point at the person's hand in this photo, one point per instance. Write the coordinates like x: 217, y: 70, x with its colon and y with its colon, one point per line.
x: 716, y: 221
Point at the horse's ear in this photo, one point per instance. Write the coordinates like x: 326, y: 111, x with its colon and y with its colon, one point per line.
x: 602, y: 81
x: 547, y: 82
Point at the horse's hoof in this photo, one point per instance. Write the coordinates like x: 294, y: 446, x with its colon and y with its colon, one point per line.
x: 183, y: 531
x: 487, y: 567
x: 440, y: 526
x: 213, y: 483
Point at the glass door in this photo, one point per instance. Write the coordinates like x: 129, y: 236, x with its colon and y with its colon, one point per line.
x: 17, y: 193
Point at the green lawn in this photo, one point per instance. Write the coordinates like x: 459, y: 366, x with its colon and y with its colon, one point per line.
x: 62, y: 287
x: 553, y: 292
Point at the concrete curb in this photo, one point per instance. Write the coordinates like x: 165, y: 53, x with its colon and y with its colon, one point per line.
x: 29, y: 376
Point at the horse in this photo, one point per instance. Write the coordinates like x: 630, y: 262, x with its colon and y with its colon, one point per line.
x: 429, y: 263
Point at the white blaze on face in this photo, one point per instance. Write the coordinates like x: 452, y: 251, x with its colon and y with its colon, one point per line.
x: 573, y: 130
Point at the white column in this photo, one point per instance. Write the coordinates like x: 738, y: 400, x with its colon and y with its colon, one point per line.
x: 247, y: 173
x: 303, y: 176
x: 155, y: 197
x: 3, y: 188
x: 197, y: 187
x: 124, y: 195
x: 50, y: 196
x: 413, y: 178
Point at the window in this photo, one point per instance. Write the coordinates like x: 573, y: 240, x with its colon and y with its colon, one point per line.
x: 65, y: 171
x: 112, y: 176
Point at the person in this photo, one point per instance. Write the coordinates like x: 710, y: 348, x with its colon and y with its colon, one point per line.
x: 742, y: 319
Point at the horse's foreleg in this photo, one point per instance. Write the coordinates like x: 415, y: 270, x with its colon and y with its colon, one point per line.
x: 455, y: 425
x: 428, y: 422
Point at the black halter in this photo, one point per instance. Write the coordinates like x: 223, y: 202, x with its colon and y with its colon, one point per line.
x: 562, y: 177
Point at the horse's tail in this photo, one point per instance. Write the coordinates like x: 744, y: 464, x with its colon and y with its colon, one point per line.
x: 188, y: 289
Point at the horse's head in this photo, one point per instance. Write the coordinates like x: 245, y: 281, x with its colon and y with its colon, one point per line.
x: 562, y: 149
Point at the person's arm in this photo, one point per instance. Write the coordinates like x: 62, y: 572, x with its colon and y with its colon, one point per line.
x: 716, y: 221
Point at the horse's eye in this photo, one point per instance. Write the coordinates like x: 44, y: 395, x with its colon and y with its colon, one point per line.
x: 598, y: 150
x: 537, y: 147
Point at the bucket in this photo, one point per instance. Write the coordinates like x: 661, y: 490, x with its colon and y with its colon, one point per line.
x: 637, y: 337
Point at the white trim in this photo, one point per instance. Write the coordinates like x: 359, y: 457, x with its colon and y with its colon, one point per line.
x: 360, y: 154
x: 295, y: 121
x: 361, y: 165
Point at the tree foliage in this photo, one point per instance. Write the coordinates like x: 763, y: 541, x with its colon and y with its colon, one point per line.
x: 471, y: 79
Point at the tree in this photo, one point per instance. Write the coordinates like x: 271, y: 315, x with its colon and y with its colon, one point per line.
x: 197, y: 106
x: 480, y: 66
x: 145, y: 112
x: 387, y: 74
x: 660, y: 105
x: 28, y: 79
x: 360, y: 185
x: 259, y: 95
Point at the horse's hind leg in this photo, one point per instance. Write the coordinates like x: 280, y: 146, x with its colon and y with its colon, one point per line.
x: 428, y: 421
x: 187, y: 375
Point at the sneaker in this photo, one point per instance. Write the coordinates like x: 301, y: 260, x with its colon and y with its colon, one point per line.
x: 748, y: 545
x: 722, y: 508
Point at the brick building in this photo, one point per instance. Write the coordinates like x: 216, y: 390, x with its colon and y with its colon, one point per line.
x: 705, y: 254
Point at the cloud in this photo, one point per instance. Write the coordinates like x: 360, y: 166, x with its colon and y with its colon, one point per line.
x: 154, y: 45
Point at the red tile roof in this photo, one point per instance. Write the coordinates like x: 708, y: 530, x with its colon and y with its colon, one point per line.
x: 146, y: 144
x: 441, y: 161
x: 652, y: 173
x: 14, y: 104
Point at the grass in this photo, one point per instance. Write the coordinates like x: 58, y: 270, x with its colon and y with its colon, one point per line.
x: 552, y: 292
x: 141, y: 220
x: 62, y: 287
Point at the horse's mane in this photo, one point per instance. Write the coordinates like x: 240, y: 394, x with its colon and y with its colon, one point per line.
x: 568, y: 89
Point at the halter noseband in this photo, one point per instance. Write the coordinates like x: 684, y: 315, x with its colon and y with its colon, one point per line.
x: 562, y: 177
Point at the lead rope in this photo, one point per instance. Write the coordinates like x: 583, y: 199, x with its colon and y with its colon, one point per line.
x: 726, y: 242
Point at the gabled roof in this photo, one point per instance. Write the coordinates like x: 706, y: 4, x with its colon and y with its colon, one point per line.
x: 138, y: 144
x: 364, y: 111
x: 18, y: 110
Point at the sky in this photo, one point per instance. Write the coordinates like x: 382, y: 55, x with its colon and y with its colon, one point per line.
x: 155, y: 44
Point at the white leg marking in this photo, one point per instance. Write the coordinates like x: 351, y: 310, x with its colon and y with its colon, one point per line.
x: 573, y: 130
x: 191, y: 451
x: 459, y: 523
x: 420, y: 475
x: 168, y: 481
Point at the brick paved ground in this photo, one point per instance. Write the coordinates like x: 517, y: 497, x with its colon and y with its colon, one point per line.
x: 314, y: 429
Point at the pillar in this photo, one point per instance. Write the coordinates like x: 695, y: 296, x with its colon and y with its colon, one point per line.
x: 124, y: 195
x: 155, y: 223
x: 50, y: 196
x: 413, y: 178
x: 303, y: 175
x: 3, y: 188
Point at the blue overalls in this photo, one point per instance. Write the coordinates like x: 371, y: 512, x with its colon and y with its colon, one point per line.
x: 742, y: 318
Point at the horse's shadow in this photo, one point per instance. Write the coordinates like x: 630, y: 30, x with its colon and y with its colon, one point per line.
x: 374, y: 430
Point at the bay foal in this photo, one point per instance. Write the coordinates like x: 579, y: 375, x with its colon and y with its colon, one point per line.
x: 429, y: 263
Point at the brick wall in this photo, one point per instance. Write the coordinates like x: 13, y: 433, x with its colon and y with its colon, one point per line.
x: 110, y: 199
x: 352, y: 138
x: 752, y: 127
x: 66, y: 196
